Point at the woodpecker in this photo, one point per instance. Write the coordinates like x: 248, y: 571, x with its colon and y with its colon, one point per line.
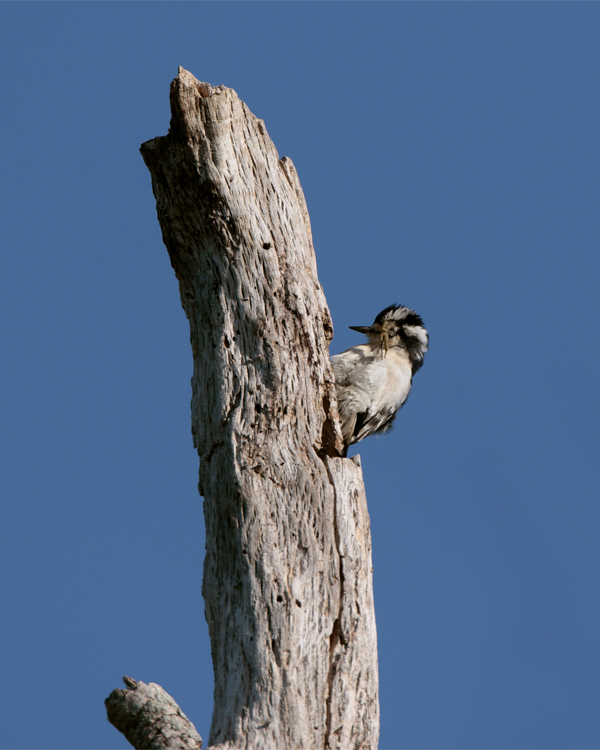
x: 373, y: 380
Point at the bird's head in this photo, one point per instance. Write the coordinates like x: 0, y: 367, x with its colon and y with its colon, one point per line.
x: 398, y: 326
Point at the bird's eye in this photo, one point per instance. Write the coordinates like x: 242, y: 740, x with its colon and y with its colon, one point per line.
x: 393, y: 331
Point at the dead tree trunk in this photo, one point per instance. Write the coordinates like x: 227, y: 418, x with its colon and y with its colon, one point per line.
x: 287, y: 576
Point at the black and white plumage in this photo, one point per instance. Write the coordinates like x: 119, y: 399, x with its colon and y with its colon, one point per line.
x: 373, y: 380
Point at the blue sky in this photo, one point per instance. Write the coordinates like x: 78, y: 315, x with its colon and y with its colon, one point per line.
x: 449, y: 154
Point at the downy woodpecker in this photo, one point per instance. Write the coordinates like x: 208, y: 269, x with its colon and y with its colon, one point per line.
x: 373, y: 380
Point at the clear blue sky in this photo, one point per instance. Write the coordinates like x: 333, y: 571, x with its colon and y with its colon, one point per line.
x: 450, y: 157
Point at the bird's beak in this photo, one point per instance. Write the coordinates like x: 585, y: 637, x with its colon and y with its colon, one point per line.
x: 362, y: 329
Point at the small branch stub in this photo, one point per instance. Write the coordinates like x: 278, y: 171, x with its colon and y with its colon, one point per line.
x: 150, y: 719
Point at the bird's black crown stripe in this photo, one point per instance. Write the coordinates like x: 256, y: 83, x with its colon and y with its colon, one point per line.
x: 404, y: 315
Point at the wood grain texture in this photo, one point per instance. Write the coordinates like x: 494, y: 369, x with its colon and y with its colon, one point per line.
x: 287, y: 575
x: 150, y: 719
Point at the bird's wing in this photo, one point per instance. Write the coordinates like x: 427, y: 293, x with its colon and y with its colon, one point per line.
x: 351, y: 402
x: 370, y: 423
x: 344, y: 365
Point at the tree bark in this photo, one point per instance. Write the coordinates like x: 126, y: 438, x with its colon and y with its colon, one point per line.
x: 287, y: 575
x: 150, y: 719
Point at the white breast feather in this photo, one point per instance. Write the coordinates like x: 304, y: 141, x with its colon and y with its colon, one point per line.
x: 371, y: 385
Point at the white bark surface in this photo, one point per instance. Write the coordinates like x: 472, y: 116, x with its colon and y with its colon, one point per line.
x: 150, y: 719
x: 287, y: 575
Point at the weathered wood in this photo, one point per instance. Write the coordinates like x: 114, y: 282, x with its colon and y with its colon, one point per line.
x: 287, y: 575
x: 150, y: 719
